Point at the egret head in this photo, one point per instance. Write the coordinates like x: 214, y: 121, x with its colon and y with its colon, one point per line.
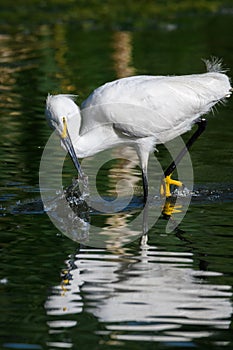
x: 63, y: 115
x: 60, y: 109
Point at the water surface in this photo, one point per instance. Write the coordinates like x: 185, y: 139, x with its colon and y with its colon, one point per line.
x: 171, y: 289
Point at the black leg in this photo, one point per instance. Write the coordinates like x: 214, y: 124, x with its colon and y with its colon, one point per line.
x: 145, y: 186
x: 201, y: 125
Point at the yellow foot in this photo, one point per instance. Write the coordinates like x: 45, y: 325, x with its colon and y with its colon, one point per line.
x: 171, y: 208
x: 165, y: 189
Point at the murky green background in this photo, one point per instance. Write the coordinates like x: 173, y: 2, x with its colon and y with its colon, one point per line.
x: 174, y: 292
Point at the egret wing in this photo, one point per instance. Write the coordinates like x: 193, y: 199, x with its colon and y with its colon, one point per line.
x: 148, y: 105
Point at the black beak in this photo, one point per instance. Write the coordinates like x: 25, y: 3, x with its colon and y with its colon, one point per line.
x: 66, y: 140
x: 70, y: 149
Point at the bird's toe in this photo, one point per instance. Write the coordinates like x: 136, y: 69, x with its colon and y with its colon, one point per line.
x: 165, y: 189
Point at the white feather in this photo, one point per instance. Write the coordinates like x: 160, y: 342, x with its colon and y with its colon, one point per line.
x: 140, y: 111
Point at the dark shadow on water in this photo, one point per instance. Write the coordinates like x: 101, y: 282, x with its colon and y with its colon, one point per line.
x: 202, y: 194
x: 82, y: 222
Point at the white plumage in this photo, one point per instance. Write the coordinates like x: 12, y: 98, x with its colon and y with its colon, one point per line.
x: 140, y: 111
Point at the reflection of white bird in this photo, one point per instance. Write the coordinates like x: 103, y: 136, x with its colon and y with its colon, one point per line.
x: 153, y: 291
x: 140, y: 111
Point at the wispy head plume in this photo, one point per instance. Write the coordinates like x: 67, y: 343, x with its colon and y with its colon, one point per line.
x: 215, y: 64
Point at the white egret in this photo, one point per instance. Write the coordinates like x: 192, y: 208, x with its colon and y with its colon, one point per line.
x: 141, y: 111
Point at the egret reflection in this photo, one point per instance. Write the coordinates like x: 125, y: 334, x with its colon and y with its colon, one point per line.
x: 152, y: 295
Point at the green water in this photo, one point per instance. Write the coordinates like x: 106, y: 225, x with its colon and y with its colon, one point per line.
x: 174, y: 292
